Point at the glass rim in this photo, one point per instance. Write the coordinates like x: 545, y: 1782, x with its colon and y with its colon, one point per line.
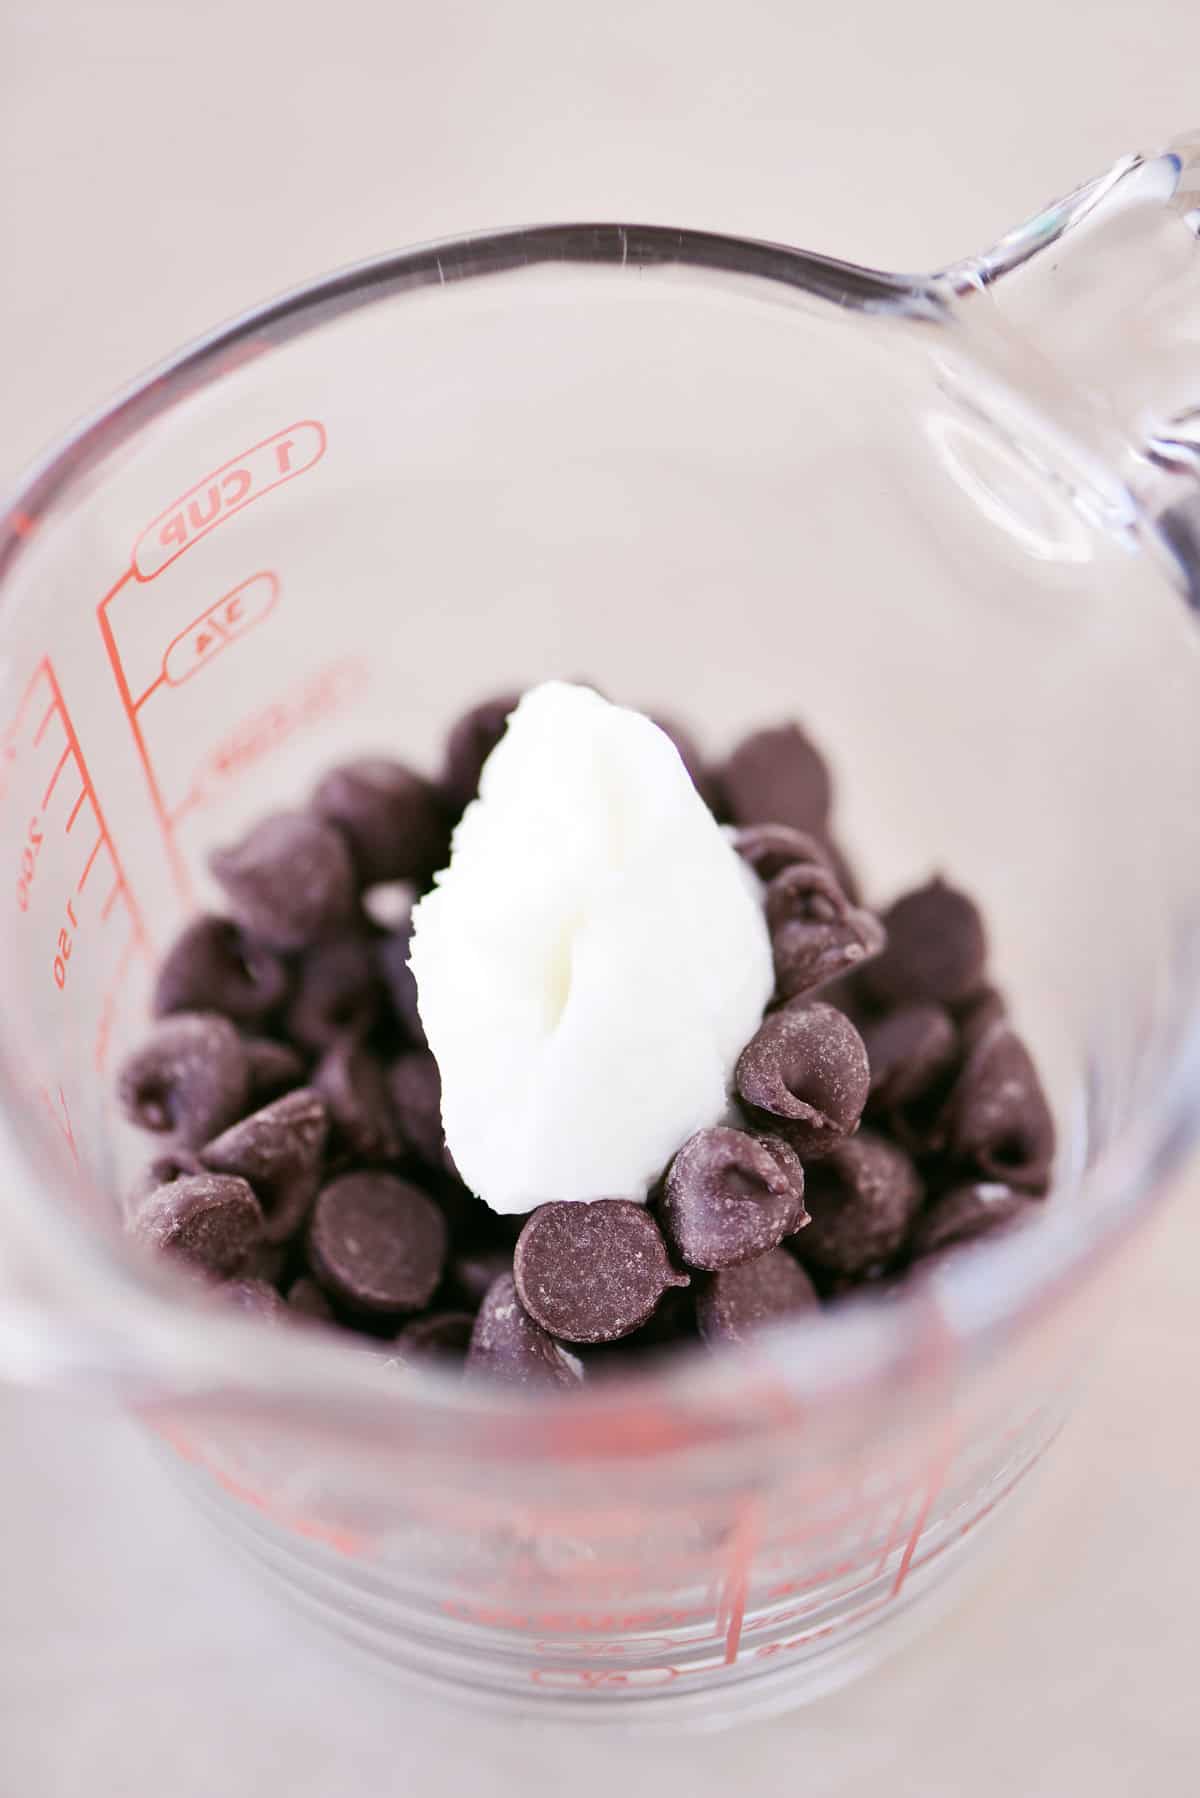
x: 151, y: 1360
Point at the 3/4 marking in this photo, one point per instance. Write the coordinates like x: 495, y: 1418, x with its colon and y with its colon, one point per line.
x: 215, y: 629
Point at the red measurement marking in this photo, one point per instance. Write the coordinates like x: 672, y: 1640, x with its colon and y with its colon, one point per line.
x: 63, y: 759
x: 731, y: 1610
x: 62, y: 1119
x: 106, y: 908
x: 178, y: 866
x: 345, y: 1541
x: 75, y: 810
x: 226, y: 492
x: 935, y: 1476
x: 40, y: 732
x: 316, y: 697
x: 214, y: 630
x: 44, y: 672
x: 88, y: 864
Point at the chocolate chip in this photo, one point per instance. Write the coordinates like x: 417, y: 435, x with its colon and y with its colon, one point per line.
x: 804, y: 1076
x: 275, y: 1068
x: 770, y: 848
x: 439, y: 1336
x: 307, y: 1300
x: 778, y: 777
x: 175, y: 1164
x: 729, y: 1199
x: 736, y: 1302
x: 354, y: 1085
x: 392, y: 952
x: 816, y: 934
x: 416, y: 1089
x: 278, y: 1149
x: 977, y: 1014
x: 996, y: 1120
x: 392, y: 819
x: 470, y: 743
x: 212, y: 967
x: 289, y: 881
x: 591, y: 1273
x: 862, y: 1200
x: 473, y: 1273
x: 909, y: 1050
x: 337, y: 991
x: 507, y: 1345
x: 208, y: 1220
x: 255, y: 1298
x: 936, y: 948
x: 191, y: 1077
x: 377, y: 1243
x: 269, y: 1262
x: 964, y: 1213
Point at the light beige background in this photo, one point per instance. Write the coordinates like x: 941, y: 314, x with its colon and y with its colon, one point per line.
x: 162, y: 166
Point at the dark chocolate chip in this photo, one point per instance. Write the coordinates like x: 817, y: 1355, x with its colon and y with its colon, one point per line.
x: 591, y: 1273
x: 964, y: 1213
x: 416, y: 1089
x: 997, y: 1120
x: 289, y: 881
x: 392, y: 952
x: 816, y: 934
x: 307, y: 1300
x: 804, y: 1076
x: 278, y: 1149
x: 175, y: 1164
x: 470, y: 743
x: 208, y: 1220
x: 770, y: 848
x: 862, y: 1200
x: 778, y: 777
x: 190, y: 1077
x: 977, y: 1014
x: 256, y: 1299
x: 733, y: 1304
x: 268, y: 1262
x: 354, y: 1085
x: 936, y: 948
x: 212, y: 967
x: 507, y: 1345
x: 392, y: 819
x: 377, y: 1243
x: 439, y: 1336
x: 472, y: 1274
x: 275, y: 1068
x: 909, y: 1050
x: 337, y: 991
x: 729, y: 1199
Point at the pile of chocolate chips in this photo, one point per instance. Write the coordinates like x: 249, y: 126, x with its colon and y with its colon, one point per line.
x: 886, y: 1110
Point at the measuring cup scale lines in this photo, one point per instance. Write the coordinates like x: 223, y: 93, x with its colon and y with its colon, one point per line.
x: 69, y: 884
x: 159, y: 641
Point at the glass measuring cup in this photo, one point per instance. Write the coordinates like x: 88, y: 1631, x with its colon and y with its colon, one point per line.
x: 950, y: 522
